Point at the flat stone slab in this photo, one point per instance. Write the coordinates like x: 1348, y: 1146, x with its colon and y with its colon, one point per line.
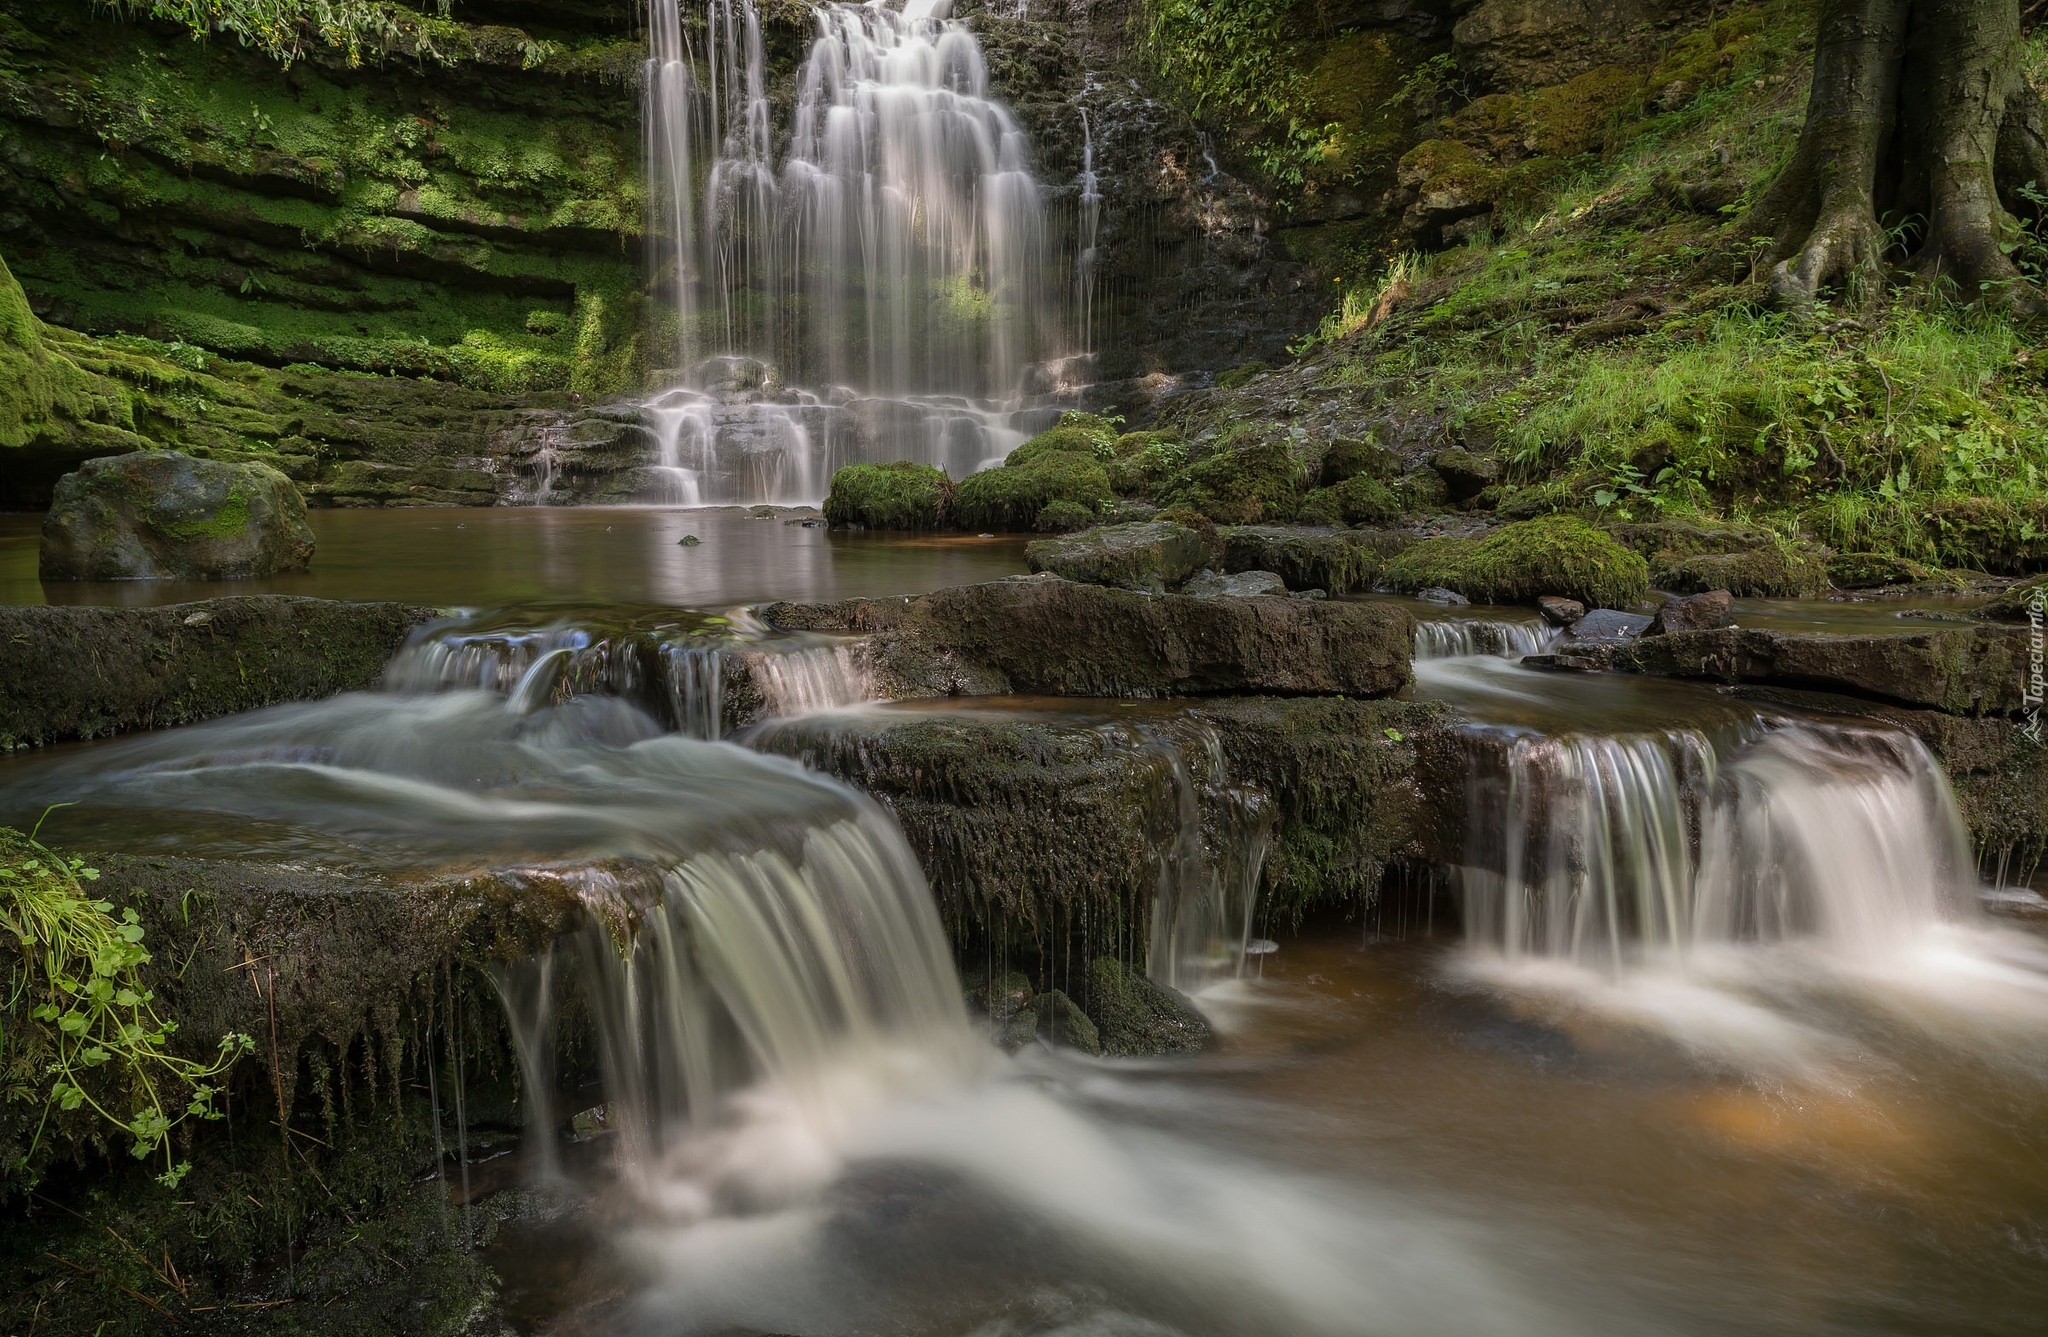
x: 85, y: 672
x: 1963, y: 670
x: 1044, y: 635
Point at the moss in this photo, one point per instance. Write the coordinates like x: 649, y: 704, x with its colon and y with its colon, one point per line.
x: 1345, y: 460
x: 1355, y: 501
x: 1990, y: 533
x: 1770, y: 571
x: 1012, y: 497
x: 1144, y: 461
x: 1240, y: 484
x: 1577, y: 116
x: 1447, y: 174
x: 1065, y: 517
x: 902, y: 495
x: 1874, y: 570
x: 1241, y: 374
x: 1068, y: 440
x: 1559, y: 554
x: 1306, y: 559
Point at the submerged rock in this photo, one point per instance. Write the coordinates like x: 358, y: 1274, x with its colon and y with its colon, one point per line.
x: 1043, y: 634
x: 1243, y: 585
x: 1056, y: 1019
x: 1698, y: 612
x: 83, y: 672
x: 160, y: 515
x: 1150, y: 556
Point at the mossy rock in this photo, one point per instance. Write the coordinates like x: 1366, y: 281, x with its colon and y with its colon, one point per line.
x: 1056, y: 1019
x: 1990, y: 534
x: 1355, y: 501
x: 1151, y: 557
x: 162, y: 515
x: 1135, y: 1017
x: 1068, y: 440
x: 902, y: 495
x: 1065, y: 517
x: 1558, y: 554
x: 2017, y: 604
x: 1770, y: 572
x: 1346, y: 460
x: 1241, y: 485
x: 1144, y: 461
x: 1241, y: 375
x: 1875, y: 570
x: 1466, y: 473
x: 1012, y: 498
x: 1339, y: 561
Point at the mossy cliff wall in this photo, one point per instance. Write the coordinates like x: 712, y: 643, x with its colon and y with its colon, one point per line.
x: 363, y: 274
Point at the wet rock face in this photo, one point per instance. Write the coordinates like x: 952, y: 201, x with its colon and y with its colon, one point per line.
x: 77, y: 672
x: 1243, y: 585
x: 160, y: 515
x: 1043, y: 634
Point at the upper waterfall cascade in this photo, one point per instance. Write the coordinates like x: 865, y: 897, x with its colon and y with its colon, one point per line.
x: 893, y: 260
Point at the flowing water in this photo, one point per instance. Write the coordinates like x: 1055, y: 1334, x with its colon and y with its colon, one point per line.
x: 871, y: 279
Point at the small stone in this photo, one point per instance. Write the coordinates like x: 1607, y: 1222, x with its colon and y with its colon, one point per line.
x: 199, y: 619
x: 1311, y: 594
x: 1697, y: 612
x: 1560, y: 612
x: 688, y: 541
x: 1437, y: 594
x: 1242, y: 585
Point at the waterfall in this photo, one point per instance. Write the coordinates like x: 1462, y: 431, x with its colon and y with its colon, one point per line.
x: 1208, y: 875
x: 1090, y: 238
x: 686, y: 670
x: 1462, y: 637
x: 1605, y: 851
x: 895, y: 258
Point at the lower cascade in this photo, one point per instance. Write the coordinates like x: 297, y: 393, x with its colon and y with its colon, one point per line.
x: 1608, y: 851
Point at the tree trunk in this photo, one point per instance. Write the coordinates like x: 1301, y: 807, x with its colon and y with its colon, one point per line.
x: 1921, y: 142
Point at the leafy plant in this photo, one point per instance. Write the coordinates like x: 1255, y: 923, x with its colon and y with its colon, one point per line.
x: 78, y: 972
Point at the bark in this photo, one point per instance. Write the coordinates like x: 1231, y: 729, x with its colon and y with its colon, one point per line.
x: 1922, y: 137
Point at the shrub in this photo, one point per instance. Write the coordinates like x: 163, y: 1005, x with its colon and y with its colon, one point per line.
x: 902, y: 495
x: 1557, y: 554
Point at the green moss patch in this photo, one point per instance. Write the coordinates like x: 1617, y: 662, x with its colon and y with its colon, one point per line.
x: 1559, y: 554
x: 1012, y: 498
x: 902, y: 495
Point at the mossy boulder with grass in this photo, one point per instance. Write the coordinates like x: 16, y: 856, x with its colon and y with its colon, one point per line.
x: 1240, y: 484
x: 902, y: 495
x: 1152, y: 556
x: 161, y: 515
x: 1339, y: 561
x: 1773, y: 571
x: 1144, y: 461
x: 1013, y: 497
x: 1349, y: 459
x: 1358, y: 500
x: 1558, y: 554
x: 1990, y: 534
x: 2020, y: 603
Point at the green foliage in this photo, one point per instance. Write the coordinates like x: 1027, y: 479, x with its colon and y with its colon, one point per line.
x: 280, y: 29
x: 1014, y: 496
x: 902, y: 495
x: 1144, y: 461
x: 1557, y: 554
x: 1230, y: 58
x: 83, y: 1031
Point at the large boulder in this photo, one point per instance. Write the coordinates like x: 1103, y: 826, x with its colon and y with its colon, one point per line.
x: 1041, y: 634
x: 1152, y: 556
x: 160, y: 515
x: 1338, y: 560
x: 79, y: 672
